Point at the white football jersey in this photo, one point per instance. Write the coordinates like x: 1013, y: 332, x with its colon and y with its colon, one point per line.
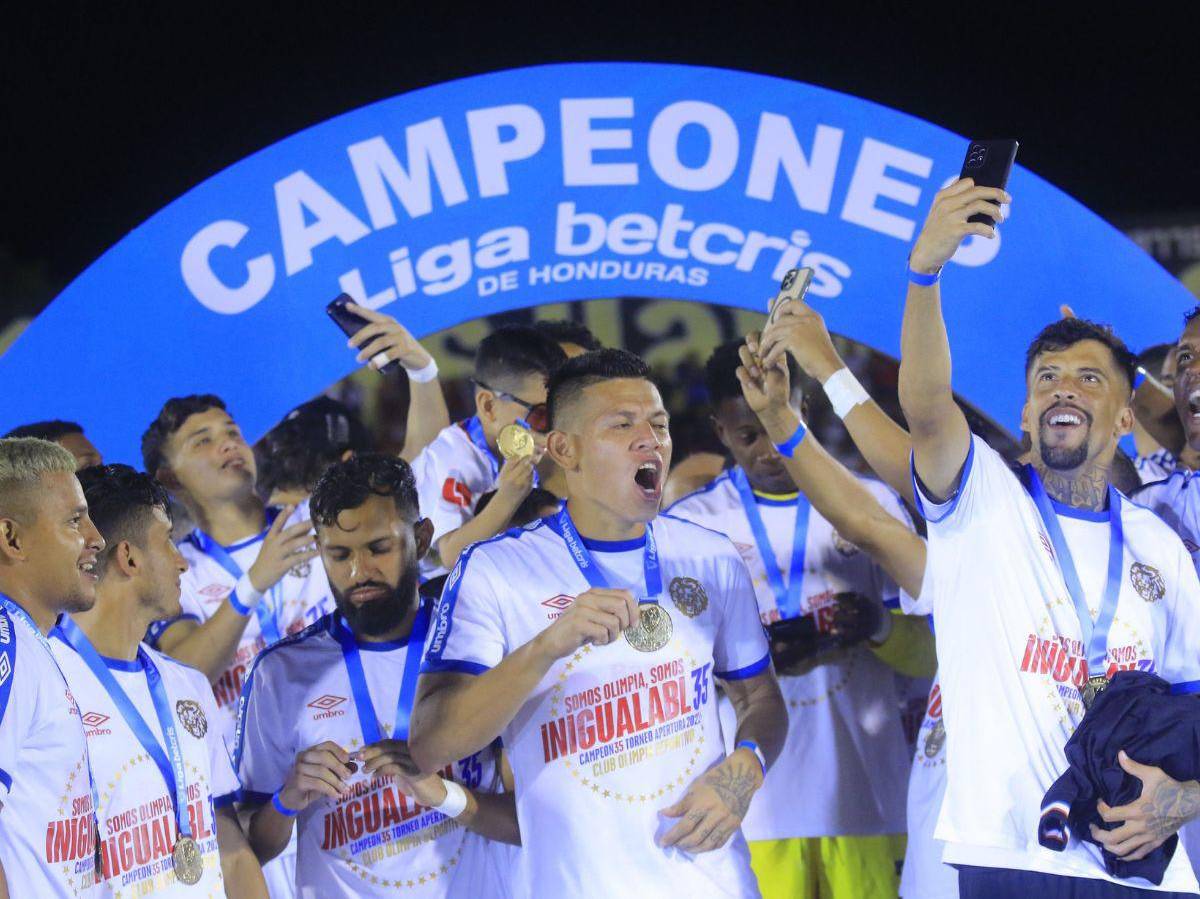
x: 845, y: 762
x: 137, y: 816
x: 1156, y: 466
x: 47, y: 823
x: 925, y: 875
x: 300, y: 598
x: 451, y: 474
x: 610, y: 735
x: 1012, y: 660
x: 376, y: 840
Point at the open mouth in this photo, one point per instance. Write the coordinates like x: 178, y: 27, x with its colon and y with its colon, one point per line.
x: 1063, y: 419
x: 1194, y: 405
x: 88, y: 570
x: 648, y: 478
x: 234, y: 464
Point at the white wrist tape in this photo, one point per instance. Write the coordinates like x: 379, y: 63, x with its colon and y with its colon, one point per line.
x: 844, y: 392
x: 455, y: 802
x: 424, y: 375
x: 244, y: 597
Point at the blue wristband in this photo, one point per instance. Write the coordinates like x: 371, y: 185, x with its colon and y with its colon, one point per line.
x: 753, y: 747
x: 1139, y: 378
x: 281, y: 808
x: 237, y: 606
x: 923, y: 279
x: 786, y: 449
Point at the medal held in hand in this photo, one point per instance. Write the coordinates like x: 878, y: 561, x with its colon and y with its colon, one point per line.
x: 1093, y: 688
x: 189, y: 863
x: 653, y: 630
x: 515, y: 442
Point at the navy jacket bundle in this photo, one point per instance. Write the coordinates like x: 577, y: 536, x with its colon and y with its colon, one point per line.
x: 1139, y: 714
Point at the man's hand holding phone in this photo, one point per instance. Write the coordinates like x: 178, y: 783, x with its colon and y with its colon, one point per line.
x: 385, y: 335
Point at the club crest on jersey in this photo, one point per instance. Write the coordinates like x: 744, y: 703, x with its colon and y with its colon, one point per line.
x: 688, y: 595
x: 1147, y: 581
x: 301, y: 569
x: 191, y: 716
x: 935, y: 740
x: 843, y: 546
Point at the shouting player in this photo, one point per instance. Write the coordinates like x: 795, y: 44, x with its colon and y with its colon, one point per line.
x: 323, y: 732
x: 48, y: 553
x: 138, y: 705
x: 464, y: 462
x: 832, y: 814
x: 591, y: 641
x: 1051, y: 562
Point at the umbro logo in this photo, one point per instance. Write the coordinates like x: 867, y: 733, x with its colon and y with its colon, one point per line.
x: 214, y: 591
x: 93, y: 719
x: 1046, y: 545
x: 326, y: 702
x: 559, y: 604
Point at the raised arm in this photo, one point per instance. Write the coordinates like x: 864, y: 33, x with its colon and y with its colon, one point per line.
x: 800, y: 330
x: 940, y: 436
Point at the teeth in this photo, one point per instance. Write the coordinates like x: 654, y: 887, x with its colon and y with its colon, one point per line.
x: 647, y: 466
x: 1065, y: 418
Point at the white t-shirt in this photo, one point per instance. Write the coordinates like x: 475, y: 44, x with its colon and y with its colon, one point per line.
x: 451, y: 474
x: 300, y: 598
x: 47, y: 824
x: 1156, y: 466
x: 845, y: 762
x: 378, y: 840
x: 925, y: 875
x: 610, y: 735
x: 1012, y: 660
x: 137, y: 818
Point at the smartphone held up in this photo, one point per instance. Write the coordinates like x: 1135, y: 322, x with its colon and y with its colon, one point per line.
x: 351, y: 323
x: 989, y: 163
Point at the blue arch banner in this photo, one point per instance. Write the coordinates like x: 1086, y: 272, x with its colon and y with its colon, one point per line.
x: 551, y: 184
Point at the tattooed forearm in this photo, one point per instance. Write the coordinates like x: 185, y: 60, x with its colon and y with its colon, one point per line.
x: 1172, y: 806
x: 1087, y: 489
x: 734, y: 785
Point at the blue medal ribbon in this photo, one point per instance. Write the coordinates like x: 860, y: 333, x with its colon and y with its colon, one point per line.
x: 475, y: 431
x: 169, y: 762
x: 788, y: 597
x: 368, y: 720
x: 15, y: 611
x: 565, y: 528
x: 265, y: 612
x: 1095, y: 634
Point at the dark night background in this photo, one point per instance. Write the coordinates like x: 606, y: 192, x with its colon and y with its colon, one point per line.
x: 110, y: 111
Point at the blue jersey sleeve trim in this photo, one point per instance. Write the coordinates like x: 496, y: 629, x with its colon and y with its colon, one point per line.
x: 225, y: 801
x: 455, y: 666
x: 749, y: 671
x: 6, y: 780
x: 251, y: 797
x: 1186, y: 688
x: 158, y: 628
x: 951, y: 502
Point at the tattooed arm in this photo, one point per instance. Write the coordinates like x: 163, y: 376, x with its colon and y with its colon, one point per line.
x: 713, y: 808
x: 1164, y: 806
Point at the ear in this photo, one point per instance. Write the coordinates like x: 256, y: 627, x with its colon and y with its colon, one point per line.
x: 561, y: 447
x: 1025, y: 414
x: 167, y: 478
x: 12, y: 546
x: 423, y: 532
x: 719, y: 429
x: 126, y: 558
x: 1125, y: 421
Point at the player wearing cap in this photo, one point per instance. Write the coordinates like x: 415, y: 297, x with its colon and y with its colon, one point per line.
x: 607, y: 703
x: 322, y: 739
x: 48, y: 551
x: 832, y: 813
x: 512, y: 365
x: 166, y: 785
x: 1044, y: 583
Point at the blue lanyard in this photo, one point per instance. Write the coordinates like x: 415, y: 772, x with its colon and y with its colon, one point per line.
x: 265, y: 612
x: 367, y: 719
x: 1095, y: 635
x: 171, y: 768
x: 788, y: 597
x: 21, y: 615
x: 590, y: 570
x: 475, y: 431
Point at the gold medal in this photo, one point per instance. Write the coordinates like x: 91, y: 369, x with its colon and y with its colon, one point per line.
x: 189, y: 863
x: 515, y: 442
x: 1093, y: 688
x: 653, y: 629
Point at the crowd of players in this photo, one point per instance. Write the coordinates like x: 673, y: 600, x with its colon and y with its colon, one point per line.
x: 309, y: 668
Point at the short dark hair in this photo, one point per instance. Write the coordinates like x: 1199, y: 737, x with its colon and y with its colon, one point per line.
x: 516, y: 351
x: 311, y: 437
x: 566, y: 331
x: 1189, y: 317
x: 529, y: 509
x: 171, y: 417
x: 120, y: 502
x: 1152, y: 358
x: 46, y: 430
x: 1065, y: 332
x: 349, y: 484
x: 575, y: 375
x: 720, y: 373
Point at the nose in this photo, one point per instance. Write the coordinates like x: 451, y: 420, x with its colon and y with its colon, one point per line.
x: 181, y: 563
x: 1065, y: 390
x: 647, y: 437
x: 92, y: 535
x: 360, y: 569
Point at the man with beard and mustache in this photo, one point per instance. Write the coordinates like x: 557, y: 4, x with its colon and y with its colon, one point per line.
x: 48, y: 551
x: 1044, y: 583
x: 323, y: 728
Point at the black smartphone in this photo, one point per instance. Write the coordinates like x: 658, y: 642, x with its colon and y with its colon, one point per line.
x: 351, y: 323
x: 988, y: 164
